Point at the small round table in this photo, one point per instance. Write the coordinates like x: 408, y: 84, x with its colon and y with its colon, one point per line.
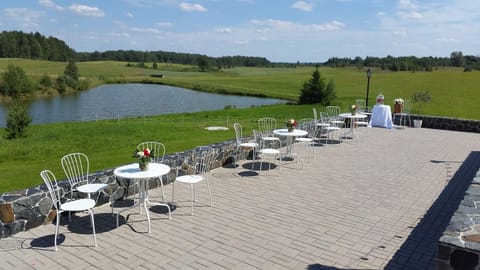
x: 353, y: 118
x: 290, y: 136
x: 132, y: 171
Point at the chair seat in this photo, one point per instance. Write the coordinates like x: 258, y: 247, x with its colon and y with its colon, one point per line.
x: 92, y: 188
x: 303, y: 139
x: 78, y: 205
x: 361, y: 123
x: 323, y: 124
x: 249, y: 144
x: 190, y: 179
x: 270, y: 151
x: 270, y: 138
x: 329, y: 128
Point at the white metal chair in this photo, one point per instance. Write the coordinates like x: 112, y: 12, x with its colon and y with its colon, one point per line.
x: 307, y: 142
x: 69, y: 206
x: 266, y: 126
x: 329, y: 129
x: 270, y: 150
x: 333, y: 116
x: 242, y: 145
x: 158, y: 149
x: 320, y: 125
x: 201, y: 163
x: 76, y: 167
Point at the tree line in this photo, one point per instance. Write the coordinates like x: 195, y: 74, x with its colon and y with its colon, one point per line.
x: 17, y: 44
x: 409, y: 63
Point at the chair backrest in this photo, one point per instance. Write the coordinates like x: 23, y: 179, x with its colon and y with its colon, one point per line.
x: 332, y: 112
x: 323, y: 117
x: 203, y: 158
x: 360, y: 103
x: 315, y: 114
x: 238, y: 132
x: 51, y: 183
x: 309, y: 125
x: 158, y: 149
x: 407, y: 106
x: 76, y: 167
x: 266, y: 125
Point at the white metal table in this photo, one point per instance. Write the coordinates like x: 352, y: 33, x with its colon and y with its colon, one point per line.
x: 132, y: 171
x: 353, y: 118
x: 290, y: 136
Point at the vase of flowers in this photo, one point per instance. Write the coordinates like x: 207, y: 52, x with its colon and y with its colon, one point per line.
x: 353, y: 109
x: 398, y: 107
x: 291, y: 124
x: 144, y: 157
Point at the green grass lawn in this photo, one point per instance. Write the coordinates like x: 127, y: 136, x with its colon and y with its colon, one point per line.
x: 110, y: 143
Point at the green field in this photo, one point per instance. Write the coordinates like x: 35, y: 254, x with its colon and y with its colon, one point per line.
x: 110, y: 143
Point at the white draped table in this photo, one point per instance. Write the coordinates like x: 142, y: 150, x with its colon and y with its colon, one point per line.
x: 381, y: 116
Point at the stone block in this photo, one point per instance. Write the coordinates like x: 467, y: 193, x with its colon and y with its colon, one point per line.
x: 6, y: 213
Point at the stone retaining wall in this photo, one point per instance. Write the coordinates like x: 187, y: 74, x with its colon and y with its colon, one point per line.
x: 459, y: 246
x: 25, y: 209
x: 440, y: 122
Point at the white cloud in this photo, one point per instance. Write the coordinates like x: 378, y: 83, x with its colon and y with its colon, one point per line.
x: 50, y: 4
x: 331, y: 26
x: 164, y: 24
x: 122, y: 35
x: 86, y: 10
x: 446, y: 40
x: 303, y: 6
x: 128, y: 14
x: 27, y: 19
x: 145, y: 30
x: 406, y: 4
x: 223, y: 30
x: 191, y: 7
x: 410, y: 15
x: 287, y: 25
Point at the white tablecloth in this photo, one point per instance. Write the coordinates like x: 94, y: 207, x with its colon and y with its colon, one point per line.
x: 381, y: 116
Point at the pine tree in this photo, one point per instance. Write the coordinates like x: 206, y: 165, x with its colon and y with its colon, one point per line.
x: 313, y: 91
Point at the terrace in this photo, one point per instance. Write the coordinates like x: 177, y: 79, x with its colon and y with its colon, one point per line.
x: 380, y: 204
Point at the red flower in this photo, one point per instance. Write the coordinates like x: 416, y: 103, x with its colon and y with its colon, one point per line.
x: 146, y: 152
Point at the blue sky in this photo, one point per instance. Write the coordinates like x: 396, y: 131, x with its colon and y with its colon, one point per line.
x: 280, y: 30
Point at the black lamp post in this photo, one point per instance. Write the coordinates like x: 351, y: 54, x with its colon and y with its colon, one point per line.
x: 369, y: 74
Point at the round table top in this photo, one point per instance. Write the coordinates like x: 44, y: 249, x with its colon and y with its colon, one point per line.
x: 294, y: 133
x: 349, y: 115
x: 132, y: 171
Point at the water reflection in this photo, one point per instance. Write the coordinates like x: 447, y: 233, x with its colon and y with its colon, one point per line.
x: 130, y: 100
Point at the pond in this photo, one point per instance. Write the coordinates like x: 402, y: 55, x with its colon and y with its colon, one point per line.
x: 130, y: 100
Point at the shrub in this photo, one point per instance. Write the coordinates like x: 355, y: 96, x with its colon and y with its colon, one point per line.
x: 18, y: 120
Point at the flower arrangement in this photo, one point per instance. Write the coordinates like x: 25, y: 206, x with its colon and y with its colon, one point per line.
x: 398, y: 101
x: 353, y: 109
x: 144, y: 157
x: 291, y: 124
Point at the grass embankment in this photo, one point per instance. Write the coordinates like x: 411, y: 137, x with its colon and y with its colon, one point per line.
x: 110, y: 143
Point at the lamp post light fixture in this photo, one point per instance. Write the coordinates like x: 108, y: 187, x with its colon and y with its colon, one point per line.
x: 369, y: 74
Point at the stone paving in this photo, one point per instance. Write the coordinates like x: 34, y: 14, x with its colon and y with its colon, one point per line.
x: 380, y: 204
